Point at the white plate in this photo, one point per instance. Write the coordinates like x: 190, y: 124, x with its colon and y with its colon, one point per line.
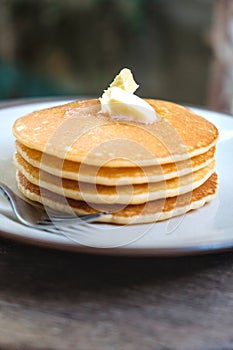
x: 208, y: 229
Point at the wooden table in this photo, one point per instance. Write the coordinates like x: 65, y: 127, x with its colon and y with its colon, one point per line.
x: 59, y: 300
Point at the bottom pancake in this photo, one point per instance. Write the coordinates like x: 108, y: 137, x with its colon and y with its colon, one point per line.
x: 153, y: 211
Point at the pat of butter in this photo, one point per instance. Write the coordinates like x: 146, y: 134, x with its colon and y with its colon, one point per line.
x: 119, y: 101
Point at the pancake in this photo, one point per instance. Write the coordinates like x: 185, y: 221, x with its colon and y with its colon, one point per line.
x: 112, y: 176
x: 153, y: 211
x: 78, y: 132
x: 133, y: 194
x: 74, y: 157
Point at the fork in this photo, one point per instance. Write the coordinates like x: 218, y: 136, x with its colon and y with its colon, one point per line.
x: 36, y: 217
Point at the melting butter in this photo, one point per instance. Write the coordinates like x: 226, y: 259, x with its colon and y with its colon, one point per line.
x: 119, y: 101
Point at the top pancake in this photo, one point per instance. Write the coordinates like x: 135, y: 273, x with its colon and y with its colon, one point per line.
x: 78, y: 132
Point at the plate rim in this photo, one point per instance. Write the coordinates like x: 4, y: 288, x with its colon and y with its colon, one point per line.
x: 119, y: 252
x: 124, y: 252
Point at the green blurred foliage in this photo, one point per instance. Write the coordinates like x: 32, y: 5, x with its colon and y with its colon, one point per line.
x: 55, y: 47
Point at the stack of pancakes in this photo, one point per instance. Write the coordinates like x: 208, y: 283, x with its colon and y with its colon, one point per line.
x: 74, y: 158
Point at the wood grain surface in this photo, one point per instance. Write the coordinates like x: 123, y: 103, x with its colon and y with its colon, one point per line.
x: 59, y: 300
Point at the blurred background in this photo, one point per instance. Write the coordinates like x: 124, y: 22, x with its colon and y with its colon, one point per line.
x: 75, y: 47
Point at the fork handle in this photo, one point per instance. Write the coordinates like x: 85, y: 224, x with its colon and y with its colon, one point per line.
x: 17, y: 204
x: 6, y: 191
